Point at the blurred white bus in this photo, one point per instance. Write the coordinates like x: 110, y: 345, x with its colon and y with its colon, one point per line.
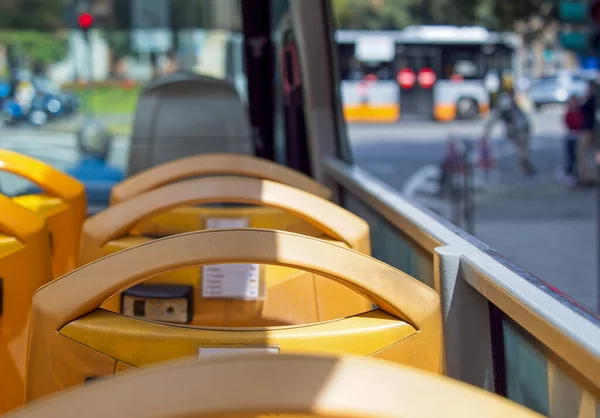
x: 436, y: 72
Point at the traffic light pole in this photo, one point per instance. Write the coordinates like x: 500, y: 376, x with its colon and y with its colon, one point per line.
x: 88, y: 44
x: 85, y: 21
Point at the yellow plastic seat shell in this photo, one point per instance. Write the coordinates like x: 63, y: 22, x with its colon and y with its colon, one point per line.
x: 63, y: 205
x: 190, y: 218
x: 256, y: 385
x: 117, y: 221
x: 214, y: 164
x: 25, y: 266
x: 72, y: 339
x: 102, y: 234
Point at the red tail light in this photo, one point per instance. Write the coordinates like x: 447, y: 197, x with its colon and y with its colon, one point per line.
x: 406, y: 78
x: 427, y: 78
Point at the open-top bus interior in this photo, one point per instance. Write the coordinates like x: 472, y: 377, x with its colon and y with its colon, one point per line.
x: 243, y: 226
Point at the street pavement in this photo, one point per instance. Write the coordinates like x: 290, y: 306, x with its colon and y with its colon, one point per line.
x: 549, y: 231
x: 536, y: 223
x: 397, y: 152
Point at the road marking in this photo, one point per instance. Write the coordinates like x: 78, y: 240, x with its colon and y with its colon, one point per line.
x: 419, y: 178
x: 501, y: 148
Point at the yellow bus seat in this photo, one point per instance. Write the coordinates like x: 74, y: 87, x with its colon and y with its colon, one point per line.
x: 25, y: 266
x: 282, y: 293
x: 63, y: 205
x: 189, y: 218
x: 73, y: 339
x: 265, y: 385
x: 211, y: 165
x: 168, y: 126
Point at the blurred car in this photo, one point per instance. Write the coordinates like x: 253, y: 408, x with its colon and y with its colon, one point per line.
x: 524, y: 83
x: 557, y: 90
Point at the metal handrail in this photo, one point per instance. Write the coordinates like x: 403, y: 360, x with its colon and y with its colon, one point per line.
x: 570, y: 330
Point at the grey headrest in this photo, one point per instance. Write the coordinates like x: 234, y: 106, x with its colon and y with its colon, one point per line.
x: 184, y: 114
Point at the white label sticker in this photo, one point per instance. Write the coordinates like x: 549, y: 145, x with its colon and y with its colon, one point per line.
x: 215, y: 223
x: 223, y: 351
x: 231, y: 281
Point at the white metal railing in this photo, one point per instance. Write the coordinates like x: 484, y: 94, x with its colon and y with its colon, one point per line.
x: 568, y: 330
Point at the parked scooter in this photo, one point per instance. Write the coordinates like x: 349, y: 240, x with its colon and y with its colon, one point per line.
x: 56, y: 103
x: 36, y: 101
x: 13, y: 112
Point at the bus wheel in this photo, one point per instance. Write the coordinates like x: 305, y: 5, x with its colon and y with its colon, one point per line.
x: 467, y: 108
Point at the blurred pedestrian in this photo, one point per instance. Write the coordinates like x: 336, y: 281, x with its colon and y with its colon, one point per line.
x: 517, y: 127
x: 574, y: 123
x: 588, y: 111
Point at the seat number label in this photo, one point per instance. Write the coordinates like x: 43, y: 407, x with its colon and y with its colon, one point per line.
x: 230, y: 281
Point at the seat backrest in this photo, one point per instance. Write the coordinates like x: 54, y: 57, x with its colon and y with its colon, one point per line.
x: 213, y: 165
x: 72, y: 339
x: 184, y: 114
x: 263, y: 385
x: 24, y: 267
x: 279, y: 289
x: 62, y: 205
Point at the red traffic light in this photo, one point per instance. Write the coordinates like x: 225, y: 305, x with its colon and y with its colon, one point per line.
x: 594, y: 11
x: 85, y: 20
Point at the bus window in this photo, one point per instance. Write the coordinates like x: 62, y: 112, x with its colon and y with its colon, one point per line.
x: 501, y: 60
x: 290, y: 126
x: 102, y: 76
x: 354, y: 70
x: 350, y: 67
x: 383, y: 71
x: 465, y: 63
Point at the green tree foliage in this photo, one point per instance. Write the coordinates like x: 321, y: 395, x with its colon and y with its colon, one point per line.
x: 32, y: 31
x: 395, y: 14
x: 32, y: 14
x: 373, y: 14
x: 506, y: 13
x: 39, y: 48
